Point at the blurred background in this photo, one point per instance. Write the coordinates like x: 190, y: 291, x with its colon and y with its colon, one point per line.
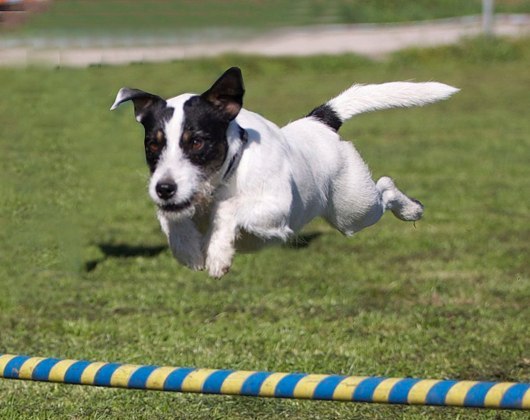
x: 82, y: 32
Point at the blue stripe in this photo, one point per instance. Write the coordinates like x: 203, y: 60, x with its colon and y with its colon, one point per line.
x: 12, y: 368
x: 174, y: 380
x: 105, y: 373
x: 252, y: 384
x: 399, y: 394
x: 437, y: 394
x: 140, y: 376
x: 476, y: 395
x: 74, y: 372
x: 285, y: 388
x: 513, y: 398
x: 214, y: 382
x: 42, y: 370
x: 365, y: 389
x: 325, y: 389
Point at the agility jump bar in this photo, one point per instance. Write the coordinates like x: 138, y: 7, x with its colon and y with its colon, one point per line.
x: 370, y: 389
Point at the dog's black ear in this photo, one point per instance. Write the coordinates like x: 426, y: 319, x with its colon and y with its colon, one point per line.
x: 144, y: 103
x: 227, y: 92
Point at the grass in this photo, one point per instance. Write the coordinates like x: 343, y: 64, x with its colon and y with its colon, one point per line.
x: 84, y: 272
x: 97, y: 17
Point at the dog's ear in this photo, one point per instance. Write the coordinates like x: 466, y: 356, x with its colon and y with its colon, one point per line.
x: 227, y: 92
x: 144, y: 103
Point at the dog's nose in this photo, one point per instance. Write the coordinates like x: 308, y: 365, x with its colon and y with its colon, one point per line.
x: 166, y: 189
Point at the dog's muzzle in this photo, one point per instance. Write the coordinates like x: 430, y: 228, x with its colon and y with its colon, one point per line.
x: 166, y: 190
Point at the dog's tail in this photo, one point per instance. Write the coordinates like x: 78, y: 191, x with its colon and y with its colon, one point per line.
x: 365, y: 98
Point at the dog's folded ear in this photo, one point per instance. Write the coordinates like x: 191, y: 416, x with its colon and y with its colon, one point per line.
x: 227, y: 92
x: 143, y: 101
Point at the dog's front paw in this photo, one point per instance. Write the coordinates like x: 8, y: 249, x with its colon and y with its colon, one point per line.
x: 196, y: 266
x: 217, y: 268
x: 193, y: 259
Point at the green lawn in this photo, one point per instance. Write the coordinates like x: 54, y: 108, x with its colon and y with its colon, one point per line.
x: 84, y: 272
x: 158, y: 17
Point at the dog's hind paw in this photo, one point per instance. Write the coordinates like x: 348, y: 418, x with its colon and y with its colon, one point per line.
x: 403, y: 206
x: 410, y: 211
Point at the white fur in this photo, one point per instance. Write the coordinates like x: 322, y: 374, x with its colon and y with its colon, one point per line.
x: 172, y: 163
x: 285, y: 178
x: 364, y: 98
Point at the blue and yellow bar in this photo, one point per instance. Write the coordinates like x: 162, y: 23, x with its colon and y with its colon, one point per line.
x: 370, y: 389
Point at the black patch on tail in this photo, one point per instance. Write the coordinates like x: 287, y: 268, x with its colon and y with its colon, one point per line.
x: 326, y: 114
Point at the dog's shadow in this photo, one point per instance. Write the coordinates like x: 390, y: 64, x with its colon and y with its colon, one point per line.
x: 123, y: 251
x: 302, y: 240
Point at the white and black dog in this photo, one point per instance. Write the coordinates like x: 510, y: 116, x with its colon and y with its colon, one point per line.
x: 224, y: 178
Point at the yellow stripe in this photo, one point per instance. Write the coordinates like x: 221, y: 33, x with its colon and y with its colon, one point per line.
x: 345, y: 389
x: 525, y: 403
x: 495, y: 394
x: 28, y: 366
x: 58, y: 371
x: 418, y: 393
x: 458, y: 392
x: 382, y: 391
x: 269, y: 385
x: 233, y: 382
x: 305, y: 388
x: 195, y: 379
x: 4, y: 360
x: 89, y: 373
x: 157, y: 377
x: 121, y: 376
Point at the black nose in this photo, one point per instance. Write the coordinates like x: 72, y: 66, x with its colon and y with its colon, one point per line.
x: 166, y: 189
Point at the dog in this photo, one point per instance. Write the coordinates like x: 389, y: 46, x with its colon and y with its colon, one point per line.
x: 223, y: 177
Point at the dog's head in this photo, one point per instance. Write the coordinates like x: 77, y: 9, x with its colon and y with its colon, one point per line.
x: 187, y: 141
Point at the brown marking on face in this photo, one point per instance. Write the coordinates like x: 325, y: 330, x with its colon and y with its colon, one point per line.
x: 186, y: 136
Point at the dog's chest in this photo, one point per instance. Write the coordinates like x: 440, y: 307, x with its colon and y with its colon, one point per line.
x: 245, y: 242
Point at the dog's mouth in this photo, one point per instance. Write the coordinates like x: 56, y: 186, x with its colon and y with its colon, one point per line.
x: 198, y: 200
x: 175, y: 207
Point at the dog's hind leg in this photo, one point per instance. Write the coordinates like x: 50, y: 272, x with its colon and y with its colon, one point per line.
x: 403, y: 206
x: 354, y: 201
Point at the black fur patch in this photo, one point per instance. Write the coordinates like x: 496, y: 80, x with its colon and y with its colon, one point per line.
x: 203, y: 138
x: 155, y: 137
x: 326, y: 114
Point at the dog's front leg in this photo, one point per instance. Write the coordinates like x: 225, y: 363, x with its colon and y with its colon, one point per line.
x: 185, y: 241
x: 220, y: 240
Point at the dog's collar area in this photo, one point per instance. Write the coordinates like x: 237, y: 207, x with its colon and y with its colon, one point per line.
x: 232, y: 165
x: 243, y: 135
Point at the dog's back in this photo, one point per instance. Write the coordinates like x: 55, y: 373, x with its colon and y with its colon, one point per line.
x: 309, y: 171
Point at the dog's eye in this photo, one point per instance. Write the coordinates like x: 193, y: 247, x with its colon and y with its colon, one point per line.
x: 154, y: 147
x: 197, y: 144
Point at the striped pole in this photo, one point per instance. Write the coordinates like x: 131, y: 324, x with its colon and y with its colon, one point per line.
x: 507, y: 395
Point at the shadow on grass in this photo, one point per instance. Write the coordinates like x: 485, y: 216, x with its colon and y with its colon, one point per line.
x: 131, y: 251
x: 302, y: 240
x: 123, y: 251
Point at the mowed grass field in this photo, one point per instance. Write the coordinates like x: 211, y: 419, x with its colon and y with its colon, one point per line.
x: 85, y: 273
